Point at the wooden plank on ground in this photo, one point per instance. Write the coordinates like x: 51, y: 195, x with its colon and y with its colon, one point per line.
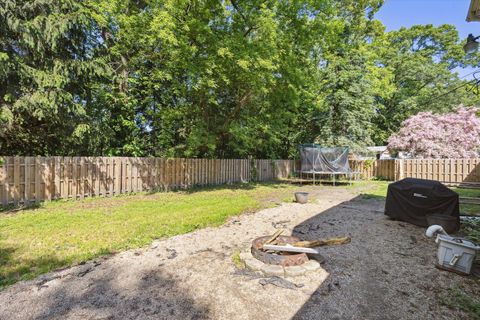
x: 322, y: 242
x: 287, y: 248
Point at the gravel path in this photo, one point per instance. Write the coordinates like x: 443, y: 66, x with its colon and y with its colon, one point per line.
x: 386, y: 272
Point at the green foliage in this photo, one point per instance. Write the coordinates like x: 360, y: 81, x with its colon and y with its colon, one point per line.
x: 368, y: 163
x: 470, y: 209
x: 237, y: 261
x: 458, y: 299
x: 236, y: 78
x: 48, y: 63
x: 420, y: 60
x: 253, y: 170
x: 472, y: 229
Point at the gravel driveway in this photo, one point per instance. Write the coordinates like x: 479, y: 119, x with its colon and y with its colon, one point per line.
x: 386, y: 272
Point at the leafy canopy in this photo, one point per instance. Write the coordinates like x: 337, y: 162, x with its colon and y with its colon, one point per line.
x: 208, y: 78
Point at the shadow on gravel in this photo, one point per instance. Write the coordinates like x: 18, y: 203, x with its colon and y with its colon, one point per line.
x: 334, y: 298
x: 155, y: 296
x: 386, y: 272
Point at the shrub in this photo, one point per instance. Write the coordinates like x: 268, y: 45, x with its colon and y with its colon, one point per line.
x: 428, y: 135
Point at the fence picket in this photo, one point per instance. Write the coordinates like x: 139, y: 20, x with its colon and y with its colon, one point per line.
x: 4, y: 182
x: 33, y: 179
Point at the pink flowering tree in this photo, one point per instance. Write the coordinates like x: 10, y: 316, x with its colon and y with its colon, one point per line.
x: 450, y: 135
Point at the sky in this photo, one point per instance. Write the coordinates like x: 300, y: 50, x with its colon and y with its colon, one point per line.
x: 395, y: 14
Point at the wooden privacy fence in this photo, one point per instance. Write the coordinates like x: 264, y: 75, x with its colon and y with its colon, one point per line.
x: 450, y: 171
x: 34, y: 179
x: 386, y: 169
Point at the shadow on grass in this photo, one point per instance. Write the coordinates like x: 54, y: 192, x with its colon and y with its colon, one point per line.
x: 13, y: 270
x: 372, y: 196
x: 311, y: 182
x: 219, y: 187
x: 6, y: 255
x: 12, y: 209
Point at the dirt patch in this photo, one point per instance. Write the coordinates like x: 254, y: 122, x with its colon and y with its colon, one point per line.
x: 386, y: 272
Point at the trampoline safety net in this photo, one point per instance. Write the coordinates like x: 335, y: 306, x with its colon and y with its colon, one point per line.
x: 317, y: 159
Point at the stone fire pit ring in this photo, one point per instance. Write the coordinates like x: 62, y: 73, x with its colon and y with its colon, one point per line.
x: 284, y: 265
x: 284, y: 259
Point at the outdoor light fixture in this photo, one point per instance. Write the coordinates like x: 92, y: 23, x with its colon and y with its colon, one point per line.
x: 471, y: 45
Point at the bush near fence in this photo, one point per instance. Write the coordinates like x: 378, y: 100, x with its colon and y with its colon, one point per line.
x: 33, y: 179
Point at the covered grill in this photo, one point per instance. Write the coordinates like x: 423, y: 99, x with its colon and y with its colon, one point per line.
x: 411, y: 200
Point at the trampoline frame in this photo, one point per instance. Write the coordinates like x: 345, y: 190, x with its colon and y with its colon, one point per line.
x: 351, y: 174
x: 333, y: 174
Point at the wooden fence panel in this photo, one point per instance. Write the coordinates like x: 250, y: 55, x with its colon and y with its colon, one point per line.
x: 33, y: 179
x: 451, y: 171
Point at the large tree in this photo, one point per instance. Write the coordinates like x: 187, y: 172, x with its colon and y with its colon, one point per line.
x: 419, y: 62
x: 48, y: 62
x: 212, y: 78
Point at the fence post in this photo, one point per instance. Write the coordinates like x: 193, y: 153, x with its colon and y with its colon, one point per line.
x: 398, y: 169
x: 4, y: 181
x: 16, y: 180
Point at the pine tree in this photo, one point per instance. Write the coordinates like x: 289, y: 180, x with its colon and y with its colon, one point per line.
x: 47, y: 62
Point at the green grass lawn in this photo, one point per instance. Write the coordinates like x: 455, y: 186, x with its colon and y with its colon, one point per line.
x: 458, y: 299
x: 63, y: 233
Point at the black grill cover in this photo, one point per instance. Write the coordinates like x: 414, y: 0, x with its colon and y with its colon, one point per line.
x: 410, y: 200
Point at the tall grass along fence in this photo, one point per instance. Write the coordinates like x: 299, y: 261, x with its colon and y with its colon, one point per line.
x: 32, y: 179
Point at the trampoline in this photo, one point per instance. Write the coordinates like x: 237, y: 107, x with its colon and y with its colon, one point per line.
x: 318, y: 161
